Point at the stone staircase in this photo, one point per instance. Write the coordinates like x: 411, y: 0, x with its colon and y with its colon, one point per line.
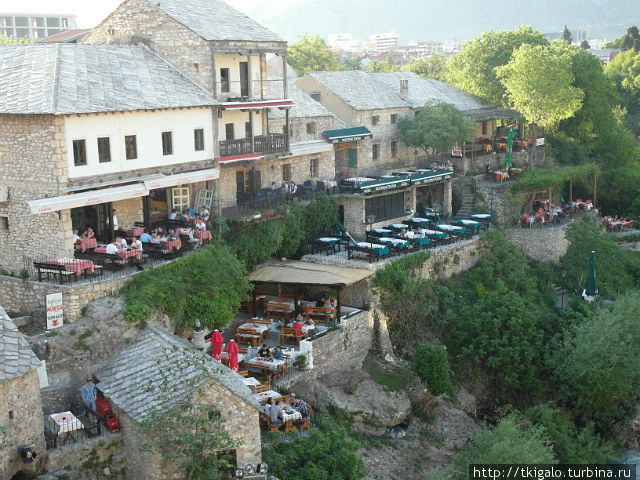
x: 467, y: 208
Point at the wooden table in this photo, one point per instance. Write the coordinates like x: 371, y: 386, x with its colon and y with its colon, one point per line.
x: 66, y: 423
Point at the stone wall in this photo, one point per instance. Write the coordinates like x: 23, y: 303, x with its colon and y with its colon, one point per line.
x: 546, y: 244
x: 21, y: 417
x: 32, y: 166
x: 73, y: 455
x: 20, y: 296
x: 298, y: 127
x: 128, y: 211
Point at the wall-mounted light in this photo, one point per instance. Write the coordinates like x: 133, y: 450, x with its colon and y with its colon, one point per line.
x: 27, y: 454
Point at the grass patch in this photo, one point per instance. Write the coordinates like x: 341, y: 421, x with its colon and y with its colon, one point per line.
x: 390, y: 377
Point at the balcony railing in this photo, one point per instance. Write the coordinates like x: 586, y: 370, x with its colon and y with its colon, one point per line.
x: 272, y: 143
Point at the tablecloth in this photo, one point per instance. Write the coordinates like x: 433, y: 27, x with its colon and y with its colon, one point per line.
x: 250, y: 381
x: 87, y: 243
x: 423, y: 222
x: 435, y: 234
x: 262, y: 396
x: 66, y: 422
x: 123, y: 254
x: 72, y: 264
x: 258, y: 328
x: 327, y: 240
x: 480, y: 216
x: 202, y: 234
x: 170, y: 244
x: 291, y: 415
x: 135, y: 232
x: 396, y: 242
x: 452, y: 228
x: 377, y: 248
x: 272, y: 364
x: 398, y: 226
x: 225, y: 356
x: 383, y: 231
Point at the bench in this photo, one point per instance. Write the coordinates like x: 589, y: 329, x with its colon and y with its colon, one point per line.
x: 53, y: 269
x: 110, y: 261
x: 291, y: 336
x: 245, y: 335
x: 324, y: 314
x: 278, y: 309
x: 265, y: 423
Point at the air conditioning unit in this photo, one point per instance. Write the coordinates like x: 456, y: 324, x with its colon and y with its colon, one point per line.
x: 4, y: 193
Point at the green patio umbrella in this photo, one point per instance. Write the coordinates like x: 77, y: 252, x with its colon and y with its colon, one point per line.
x: 591, y: 287
x: 507, y: 158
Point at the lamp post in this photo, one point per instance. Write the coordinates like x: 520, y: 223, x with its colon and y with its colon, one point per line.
x: 370, y: 221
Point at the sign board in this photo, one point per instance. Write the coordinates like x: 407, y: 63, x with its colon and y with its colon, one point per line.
x: 351, y: 139
x: 539, y: 142
x: 54, y: 311
x: 456, y: 152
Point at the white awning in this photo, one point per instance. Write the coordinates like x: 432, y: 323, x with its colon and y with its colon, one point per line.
x: 182, y: 178
x: 93, y: 197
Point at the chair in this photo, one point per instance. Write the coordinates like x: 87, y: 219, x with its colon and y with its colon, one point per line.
x: 243, y: 373
x: 245, y: 335
x: 261, y: 388
x: 265, y: 423
x: 291, y: 336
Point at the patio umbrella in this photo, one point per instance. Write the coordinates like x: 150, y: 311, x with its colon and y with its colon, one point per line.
x: 216, y: 344
x: 591, y: 287
x: 232, y: 350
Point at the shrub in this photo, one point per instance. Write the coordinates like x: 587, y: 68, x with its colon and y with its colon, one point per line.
x: 431, y: 364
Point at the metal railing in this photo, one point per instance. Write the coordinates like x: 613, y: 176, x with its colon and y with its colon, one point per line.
x: 90, y: 429
x: 271, y: 143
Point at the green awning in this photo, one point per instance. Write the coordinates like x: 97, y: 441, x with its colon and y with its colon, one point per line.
x: 430, y: 177
x: 344, y: 135
x: 385, y: 184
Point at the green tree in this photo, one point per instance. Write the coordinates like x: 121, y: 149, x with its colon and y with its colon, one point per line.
x: 386, y: 66
x: 436, y: 128
x: 584, y: 45
x: 539, y: 83
x: 14, y: 41
x: 566, y: 35
x: 431, y: 364
x: 624, y: 70
x: 510, y: 441
x: 599, y: 367
x: 352, y: 63
x: 473, y: 69
x: 311, y: 54
x: 628, y: 41
x: 428, y: 67
x: 325, y: 453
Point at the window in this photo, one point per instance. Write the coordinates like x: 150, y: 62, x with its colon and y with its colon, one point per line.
x: 10, y: 414
x: 104, y: 150
x: 286, y: 172
x: 196, y: 67
x: 484, y: 128
x: 315, y: 96
x: 311, y: 128
x: 375, y: 119
x: 130, y: 147
x: 224, y: 80
x: 394, y: 149
x: 79, y: 153
x: 4, y: 222
x: 198, y: 139
x: 167, y: 143
x: 376, y: 151
x: 247, y: 129
x: 394, y: 118
x: 228, y: 130
x: 179, y: 198
x: 313, y: 167
x: 386, y: 206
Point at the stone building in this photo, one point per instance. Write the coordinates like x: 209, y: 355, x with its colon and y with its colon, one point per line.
x: 91, y: 128
x: 225, y: 52
x: 21, y: 421
x: 159, y: 372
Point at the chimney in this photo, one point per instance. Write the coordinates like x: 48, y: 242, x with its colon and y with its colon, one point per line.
x: 404, y: 88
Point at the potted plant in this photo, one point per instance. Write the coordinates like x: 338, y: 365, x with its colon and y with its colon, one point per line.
x: 257, y: 214
x: 301, y: 362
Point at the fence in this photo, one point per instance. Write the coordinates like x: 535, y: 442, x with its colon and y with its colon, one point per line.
x: 85, y: 428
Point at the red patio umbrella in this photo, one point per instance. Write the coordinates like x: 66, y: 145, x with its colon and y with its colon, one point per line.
x: 232, y: 350
x: 216, y: 344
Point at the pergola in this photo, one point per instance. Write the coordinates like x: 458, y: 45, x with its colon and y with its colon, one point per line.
x: 297, y: 275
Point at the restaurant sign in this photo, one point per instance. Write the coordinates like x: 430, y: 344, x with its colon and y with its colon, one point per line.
x: 351, y: 139
x: 54, y: 310
x: 382, y: 185
x: 456, y: 152
x: 539, y: 142
x: 425, y: 178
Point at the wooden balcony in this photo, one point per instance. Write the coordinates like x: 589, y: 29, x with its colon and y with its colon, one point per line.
x: 271, y: 143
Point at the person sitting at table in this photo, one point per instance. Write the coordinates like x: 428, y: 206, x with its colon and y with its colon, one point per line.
x: 310, y: 323
x: 137, y: 244
x: 174, y: 214
x: 293, y: 189
x: 301, y: 407
x: 277, y: 353
x: 189, y: 211
x: 266, y: 408
x: 264, y: 352
x: 333, y: 301
x: 155, y: 238
x: 145, y: 237
x: 297, y: 325
x: 172, y: 235
x: 112, y: 248
x: 277, y: 414
x: 409, y: 235
x: 76, y: 237
x: 88, y: 233
x: 201, y: 227
x: 204, y: 213
x: 121, y: 243
x: 322, y: 302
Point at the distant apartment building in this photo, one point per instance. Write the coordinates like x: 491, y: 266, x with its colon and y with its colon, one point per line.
x: 381, y: 42
x: 35, y: 25
x: 345, y: 42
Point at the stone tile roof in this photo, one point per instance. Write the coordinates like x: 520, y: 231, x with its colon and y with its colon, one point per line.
x: 70, y: 78
x: 216, y: 20
x: 303, y: 105
x: 159, y: 371
x: 372, y: 91
x: 16, y: 356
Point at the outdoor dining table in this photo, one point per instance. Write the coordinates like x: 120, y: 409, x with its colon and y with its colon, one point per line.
x: 435, y: 234
x: 452, y: 229
x: 202, y: 234
x: 262, y: 396
x: 618, y: 224
x: 377, y: 248
x: 87, y: 243
x: 395, y: 242
x: 73, y: 264
x: 257, y: 328
x: 472, y: 224
x: 418, y: 221
x: 123, y: 254
x: 398, y: 227
x: 135, y: 232
x: 420, y: 241
x: 382, y: 231
x: 480, y: 216
x: 261, y: 364
x: 66, y: 423
x: 169, y: 244
x: 305, y: 328
x: 290, y: 414
x: 328, y: 244
x: 224, y: 358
